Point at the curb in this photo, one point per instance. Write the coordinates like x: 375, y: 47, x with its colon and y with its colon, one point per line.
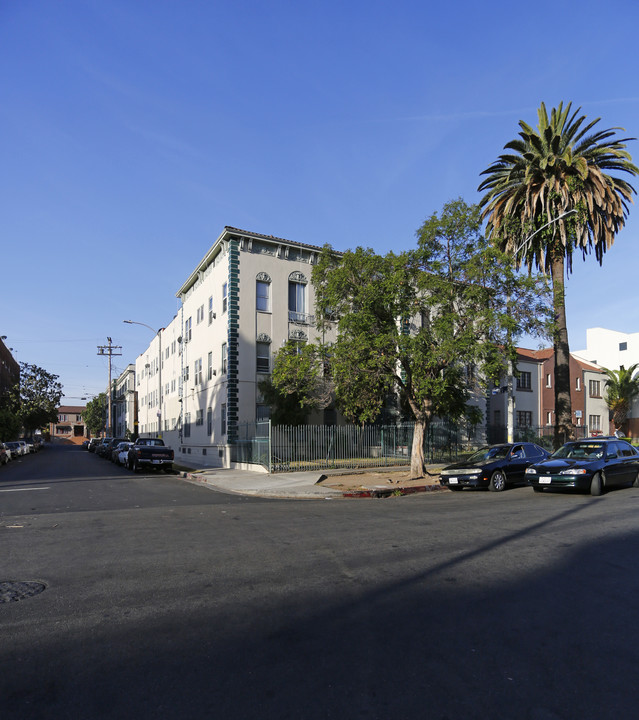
x: 393, y: 492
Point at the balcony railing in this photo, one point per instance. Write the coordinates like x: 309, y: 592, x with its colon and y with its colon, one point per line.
x: 300, y: 318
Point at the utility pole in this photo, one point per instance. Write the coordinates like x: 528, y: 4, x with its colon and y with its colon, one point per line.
x: 109, y: 350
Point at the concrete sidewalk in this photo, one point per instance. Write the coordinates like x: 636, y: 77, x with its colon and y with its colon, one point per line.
x: 300, y: 485
x: 294, y: 485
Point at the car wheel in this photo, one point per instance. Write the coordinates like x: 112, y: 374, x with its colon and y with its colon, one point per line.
x: 596, y: 486
x: 497, y: 481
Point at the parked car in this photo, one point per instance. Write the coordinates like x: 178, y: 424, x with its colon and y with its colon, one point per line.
x: 15, y: 448
x: 493, y: 467
x: 150, y: 452
x: 4, y: 457
x: 93, y: 443
x: 100, y: 447
x: 110, y: 446
x: 120, y: 453
x: 593, y: 465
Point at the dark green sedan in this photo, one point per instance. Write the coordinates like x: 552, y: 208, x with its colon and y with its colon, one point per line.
x: 591, y: 465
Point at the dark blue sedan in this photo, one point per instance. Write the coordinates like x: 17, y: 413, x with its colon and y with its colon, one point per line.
x: 493, y: 467
x: 590, y: 465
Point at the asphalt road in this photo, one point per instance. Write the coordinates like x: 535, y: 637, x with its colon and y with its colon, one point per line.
x: 164, y: 599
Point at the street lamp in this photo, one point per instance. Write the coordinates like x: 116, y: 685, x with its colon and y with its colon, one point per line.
x: 159, y: 334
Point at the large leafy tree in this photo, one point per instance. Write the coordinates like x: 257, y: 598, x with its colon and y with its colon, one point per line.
x: 298, y: 384
x: 622, y: 387
x: 95, y: 414
x: 552, y: 195
x: 40, y: 394
x: 10, y: 422
x: 421, y: 322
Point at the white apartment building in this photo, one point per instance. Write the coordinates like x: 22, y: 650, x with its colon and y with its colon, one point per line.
x: 124, y: 400
x: 612, y: 350
x: 197, y: 382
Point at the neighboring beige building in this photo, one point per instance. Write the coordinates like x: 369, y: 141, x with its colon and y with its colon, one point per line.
x: 197, y: 382
x: 70, y: 426
x: 534, y: 394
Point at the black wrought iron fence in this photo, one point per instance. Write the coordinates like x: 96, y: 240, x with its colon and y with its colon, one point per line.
x: 317, y: 447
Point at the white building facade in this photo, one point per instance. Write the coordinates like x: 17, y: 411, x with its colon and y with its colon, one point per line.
x: 197, y: 382
x: 613, y: 350
x: 124, y: 403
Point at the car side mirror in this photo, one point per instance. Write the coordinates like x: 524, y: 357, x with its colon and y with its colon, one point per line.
x: 611, y: 456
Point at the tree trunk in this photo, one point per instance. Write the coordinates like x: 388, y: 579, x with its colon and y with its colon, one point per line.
x: 563, y: 406
x: 417, y: 463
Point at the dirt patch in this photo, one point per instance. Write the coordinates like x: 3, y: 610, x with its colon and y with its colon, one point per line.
x: 377, y: 479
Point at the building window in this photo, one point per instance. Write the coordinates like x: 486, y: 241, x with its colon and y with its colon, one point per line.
x: 223, y: 419
x: 209, y: 373
x: 187, y: 424
x: 263, y: 352
x: 199, y: 417
x: 211, y: 313
x: 186, y: 373
x: 623, y: 346
x: 594, y: 422
x: 549, y: 417
x: 578, y: 384
x: 262, y: 292
x: 187, y: 329
x: 224, y: 359
x: 200, y: 314
x: 548, y: 380
x: 296, y: 301
x: 594, y: 388
x: 225, y: 290
x: 209, y: 421
x: 524, y: 418
x: 524, y: 381
x: 197, y: 372
x: 262, y: 412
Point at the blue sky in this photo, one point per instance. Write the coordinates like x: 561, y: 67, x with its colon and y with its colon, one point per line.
x: 131, y: 133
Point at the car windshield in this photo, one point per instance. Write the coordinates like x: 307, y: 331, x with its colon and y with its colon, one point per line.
x: 489, y: 453
x: 580, y: 451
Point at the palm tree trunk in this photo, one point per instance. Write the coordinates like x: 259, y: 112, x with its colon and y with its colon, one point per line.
x: 563, y: 407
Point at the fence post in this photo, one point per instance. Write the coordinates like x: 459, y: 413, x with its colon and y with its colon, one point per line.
x: 270, y: 448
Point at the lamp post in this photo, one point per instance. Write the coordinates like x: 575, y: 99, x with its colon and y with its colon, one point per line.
x: 159, y: 335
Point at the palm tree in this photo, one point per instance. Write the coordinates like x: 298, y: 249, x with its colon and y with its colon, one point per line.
x: 551, y: 196
x: 622, y: 387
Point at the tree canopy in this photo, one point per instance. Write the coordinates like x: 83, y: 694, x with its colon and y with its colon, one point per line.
x: 425, y: 324
x: 622, y: 387
x: 39, y: 397
x: 552, y: 195
x: 95, y: 414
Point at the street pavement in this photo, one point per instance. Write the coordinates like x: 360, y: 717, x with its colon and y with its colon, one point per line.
x: 161, y: 599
